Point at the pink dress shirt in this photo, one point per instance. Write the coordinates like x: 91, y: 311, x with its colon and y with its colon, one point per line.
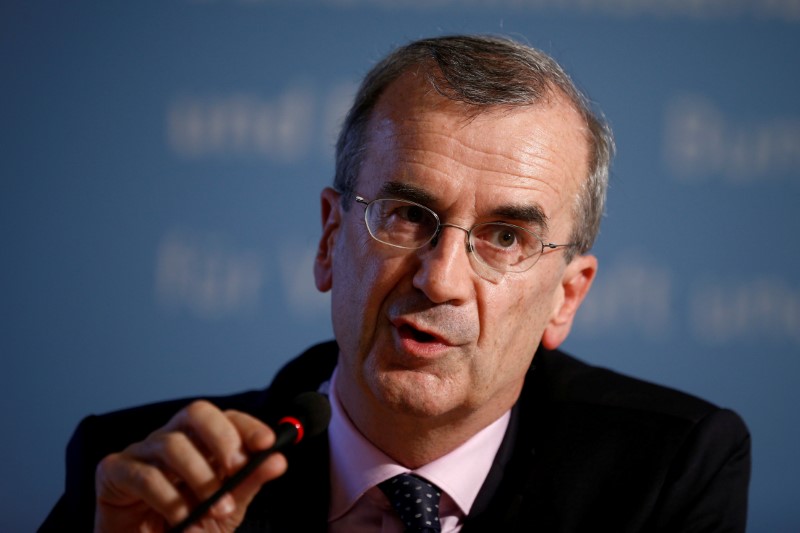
x: 357, y: 466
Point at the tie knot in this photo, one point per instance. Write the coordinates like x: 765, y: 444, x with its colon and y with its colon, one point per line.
x: 416, y: 501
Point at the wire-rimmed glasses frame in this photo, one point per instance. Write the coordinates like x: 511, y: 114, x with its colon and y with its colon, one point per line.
x: 500, y: 246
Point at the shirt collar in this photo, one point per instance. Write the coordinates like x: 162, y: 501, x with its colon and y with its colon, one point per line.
x: 357, y: 465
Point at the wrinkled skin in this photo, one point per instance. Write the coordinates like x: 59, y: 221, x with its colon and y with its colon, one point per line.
x: 433, y: 346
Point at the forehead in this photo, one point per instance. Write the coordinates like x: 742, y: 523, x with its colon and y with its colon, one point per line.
x: 532, y: 154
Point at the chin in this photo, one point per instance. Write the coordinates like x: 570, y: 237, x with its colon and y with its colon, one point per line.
x: 416, y: 393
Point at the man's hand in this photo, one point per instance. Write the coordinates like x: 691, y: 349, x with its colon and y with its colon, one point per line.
x: 154, y: 484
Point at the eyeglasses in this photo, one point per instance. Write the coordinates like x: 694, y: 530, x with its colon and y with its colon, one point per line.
x: 498, y: 245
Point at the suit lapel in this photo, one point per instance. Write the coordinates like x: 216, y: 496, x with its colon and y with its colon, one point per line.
x: 504, y: 497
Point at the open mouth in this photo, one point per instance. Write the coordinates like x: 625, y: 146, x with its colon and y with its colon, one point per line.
x: 413, y: 333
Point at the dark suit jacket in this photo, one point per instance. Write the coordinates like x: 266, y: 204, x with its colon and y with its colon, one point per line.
x: 587, y: 449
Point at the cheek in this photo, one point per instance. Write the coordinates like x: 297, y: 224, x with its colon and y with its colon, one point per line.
x: 363, y: 277
x: 515, y: 315
x: 354, y: 264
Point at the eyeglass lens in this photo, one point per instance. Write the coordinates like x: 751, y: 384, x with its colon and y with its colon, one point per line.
x: 404, y: 224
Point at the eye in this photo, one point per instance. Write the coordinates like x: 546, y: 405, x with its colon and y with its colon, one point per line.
x: 495, y: 239
x: 505, y: 237
x: 411, y: 213
x: 499, y: 236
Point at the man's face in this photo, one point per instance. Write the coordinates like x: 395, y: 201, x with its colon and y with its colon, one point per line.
x: 422, y: 334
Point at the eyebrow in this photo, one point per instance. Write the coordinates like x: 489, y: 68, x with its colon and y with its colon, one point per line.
x: 396, y: 189
x: 531, y: 214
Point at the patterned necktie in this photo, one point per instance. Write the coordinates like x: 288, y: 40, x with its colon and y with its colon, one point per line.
x: 415, y: 500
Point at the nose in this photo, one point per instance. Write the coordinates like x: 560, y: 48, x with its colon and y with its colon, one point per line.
x: 445, y: 273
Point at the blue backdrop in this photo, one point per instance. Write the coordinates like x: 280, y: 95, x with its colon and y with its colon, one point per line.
x: 161, y: 162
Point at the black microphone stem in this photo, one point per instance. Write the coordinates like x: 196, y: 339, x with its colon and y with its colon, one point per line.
x: 312, y: 411
x: 282, y: 440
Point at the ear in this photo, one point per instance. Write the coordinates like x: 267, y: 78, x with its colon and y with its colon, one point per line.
x: 575, y: 284
x: 331, y: 219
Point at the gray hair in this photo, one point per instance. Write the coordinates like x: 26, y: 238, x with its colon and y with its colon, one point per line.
x: 482, y: 72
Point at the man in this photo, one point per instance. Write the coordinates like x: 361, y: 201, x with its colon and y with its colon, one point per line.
x: 470, y: 182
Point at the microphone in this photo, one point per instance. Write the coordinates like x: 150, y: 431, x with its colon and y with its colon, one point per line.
x: 309, y: 416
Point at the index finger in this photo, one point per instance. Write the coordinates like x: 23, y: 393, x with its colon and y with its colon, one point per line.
x: 214, y: 430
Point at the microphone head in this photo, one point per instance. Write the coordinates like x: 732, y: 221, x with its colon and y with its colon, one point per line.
x: 313, y: 410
